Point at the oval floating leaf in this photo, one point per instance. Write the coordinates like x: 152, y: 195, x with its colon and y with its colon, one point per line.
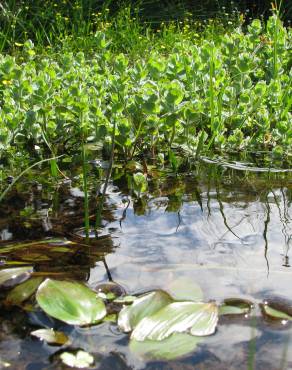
x: 235, y: 306
x: 51, y: 336
x: 22, y: 292
x: 81, y: 359
x: 110, y: 290
x: 178, y: 317
x: 273, y: 313
x: 144, y: 305
x: 177, y: 345
x: 11, y: 277
x: 71, y: 302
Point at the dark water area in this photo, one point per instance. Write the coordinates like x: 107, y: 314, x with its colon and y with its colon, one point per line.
x: 228, y: 230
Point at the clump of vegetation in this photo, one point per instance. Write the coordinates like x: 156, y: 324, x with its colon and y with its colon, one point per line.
x: 226, y: 90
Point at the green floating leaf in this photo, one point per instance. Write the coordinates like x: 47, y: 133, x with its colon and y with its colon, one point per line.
x: 235, y: 306
x: 128, y: 299
x: 178, y: 317
x: 23, y: 291
x: 273, y: 313
x: 177, y: 345
x: 110, y: 290
x: 81, y: 359
x: 51, y: 336
x: 71, y: 302
x: 145, y: 305
x: 11, y: 277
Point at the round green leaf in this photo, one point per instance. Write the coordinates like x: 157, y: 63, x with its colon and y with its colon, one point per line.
x: 71, y: 302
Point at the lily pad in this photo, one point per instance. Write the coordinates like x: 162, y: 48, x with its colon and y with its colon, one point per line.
x: 11, y: 277
x: 177, y: 345
x: 51, y: 336
x: 22, y: 292
x: 143, y: 306
x: 235, y: 306
x: 71, y: 302
x: 81, y: 359
x: 200, y: 318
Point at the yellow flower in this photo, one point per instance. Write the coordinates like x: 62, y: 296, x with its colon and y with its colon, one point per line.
x: 7, y: 82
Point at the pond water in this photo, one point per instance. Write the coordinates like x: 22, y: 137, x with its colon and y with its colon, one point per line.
x: 227, y: 230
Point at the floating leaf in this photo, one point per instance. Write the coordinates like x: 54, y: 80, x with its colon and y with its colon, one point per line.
x: 128, y: 299
x: 143, y: 306
x: 81, y: 359
x: 51, y: 336
x: 14, y: 276
x: 71, y: 302
x: 23, y: 291
x: 177, y: 345
x: 235, y: 306
x: 178, y: 317
x: 185, y: 289
x: 110, y: 290
x: 273, y: 313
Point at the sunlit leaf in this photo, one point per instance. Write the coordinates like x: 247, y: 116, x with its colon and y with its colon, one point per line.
x: 23, y: 291
x: 177, y: 345
x: 81, y: 359
x: 143, y: 306
x: 51, y: 336
x: 178, y: 317
x: 71, y: 302
x: 14, y: 276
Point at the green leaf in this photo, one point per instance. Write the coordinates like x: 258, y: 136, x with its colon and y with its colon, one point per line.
x: 235, y: 306
x: 23, y: 291
x: 274, y: 313
x: 50, y: 336
x: 140, y: 182
x: 178, y: 317
x: 145, y: 305
x: 14, y: 276
x: 81, y: 359
x: 177, y: 345
x: 71, y: 302
x: 128, y: 299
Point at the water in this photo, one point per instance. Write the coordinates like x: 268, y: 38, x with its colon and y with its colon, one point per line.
x: 229, y: 231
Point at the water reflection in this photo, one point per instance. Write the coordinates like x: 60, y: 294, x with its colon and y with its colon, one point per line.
x: 228, y: 231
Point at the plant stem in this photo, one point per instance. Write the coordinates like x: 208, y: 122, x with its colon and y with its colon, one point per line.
x: 108, y: 175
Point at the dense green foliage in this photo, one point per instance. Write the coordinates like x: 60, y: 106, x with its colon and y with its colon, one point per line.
x: 222, y: 90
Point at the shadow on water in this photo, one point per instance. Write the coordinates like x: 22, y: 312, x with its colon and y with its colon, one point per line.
x: 227, y: 229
